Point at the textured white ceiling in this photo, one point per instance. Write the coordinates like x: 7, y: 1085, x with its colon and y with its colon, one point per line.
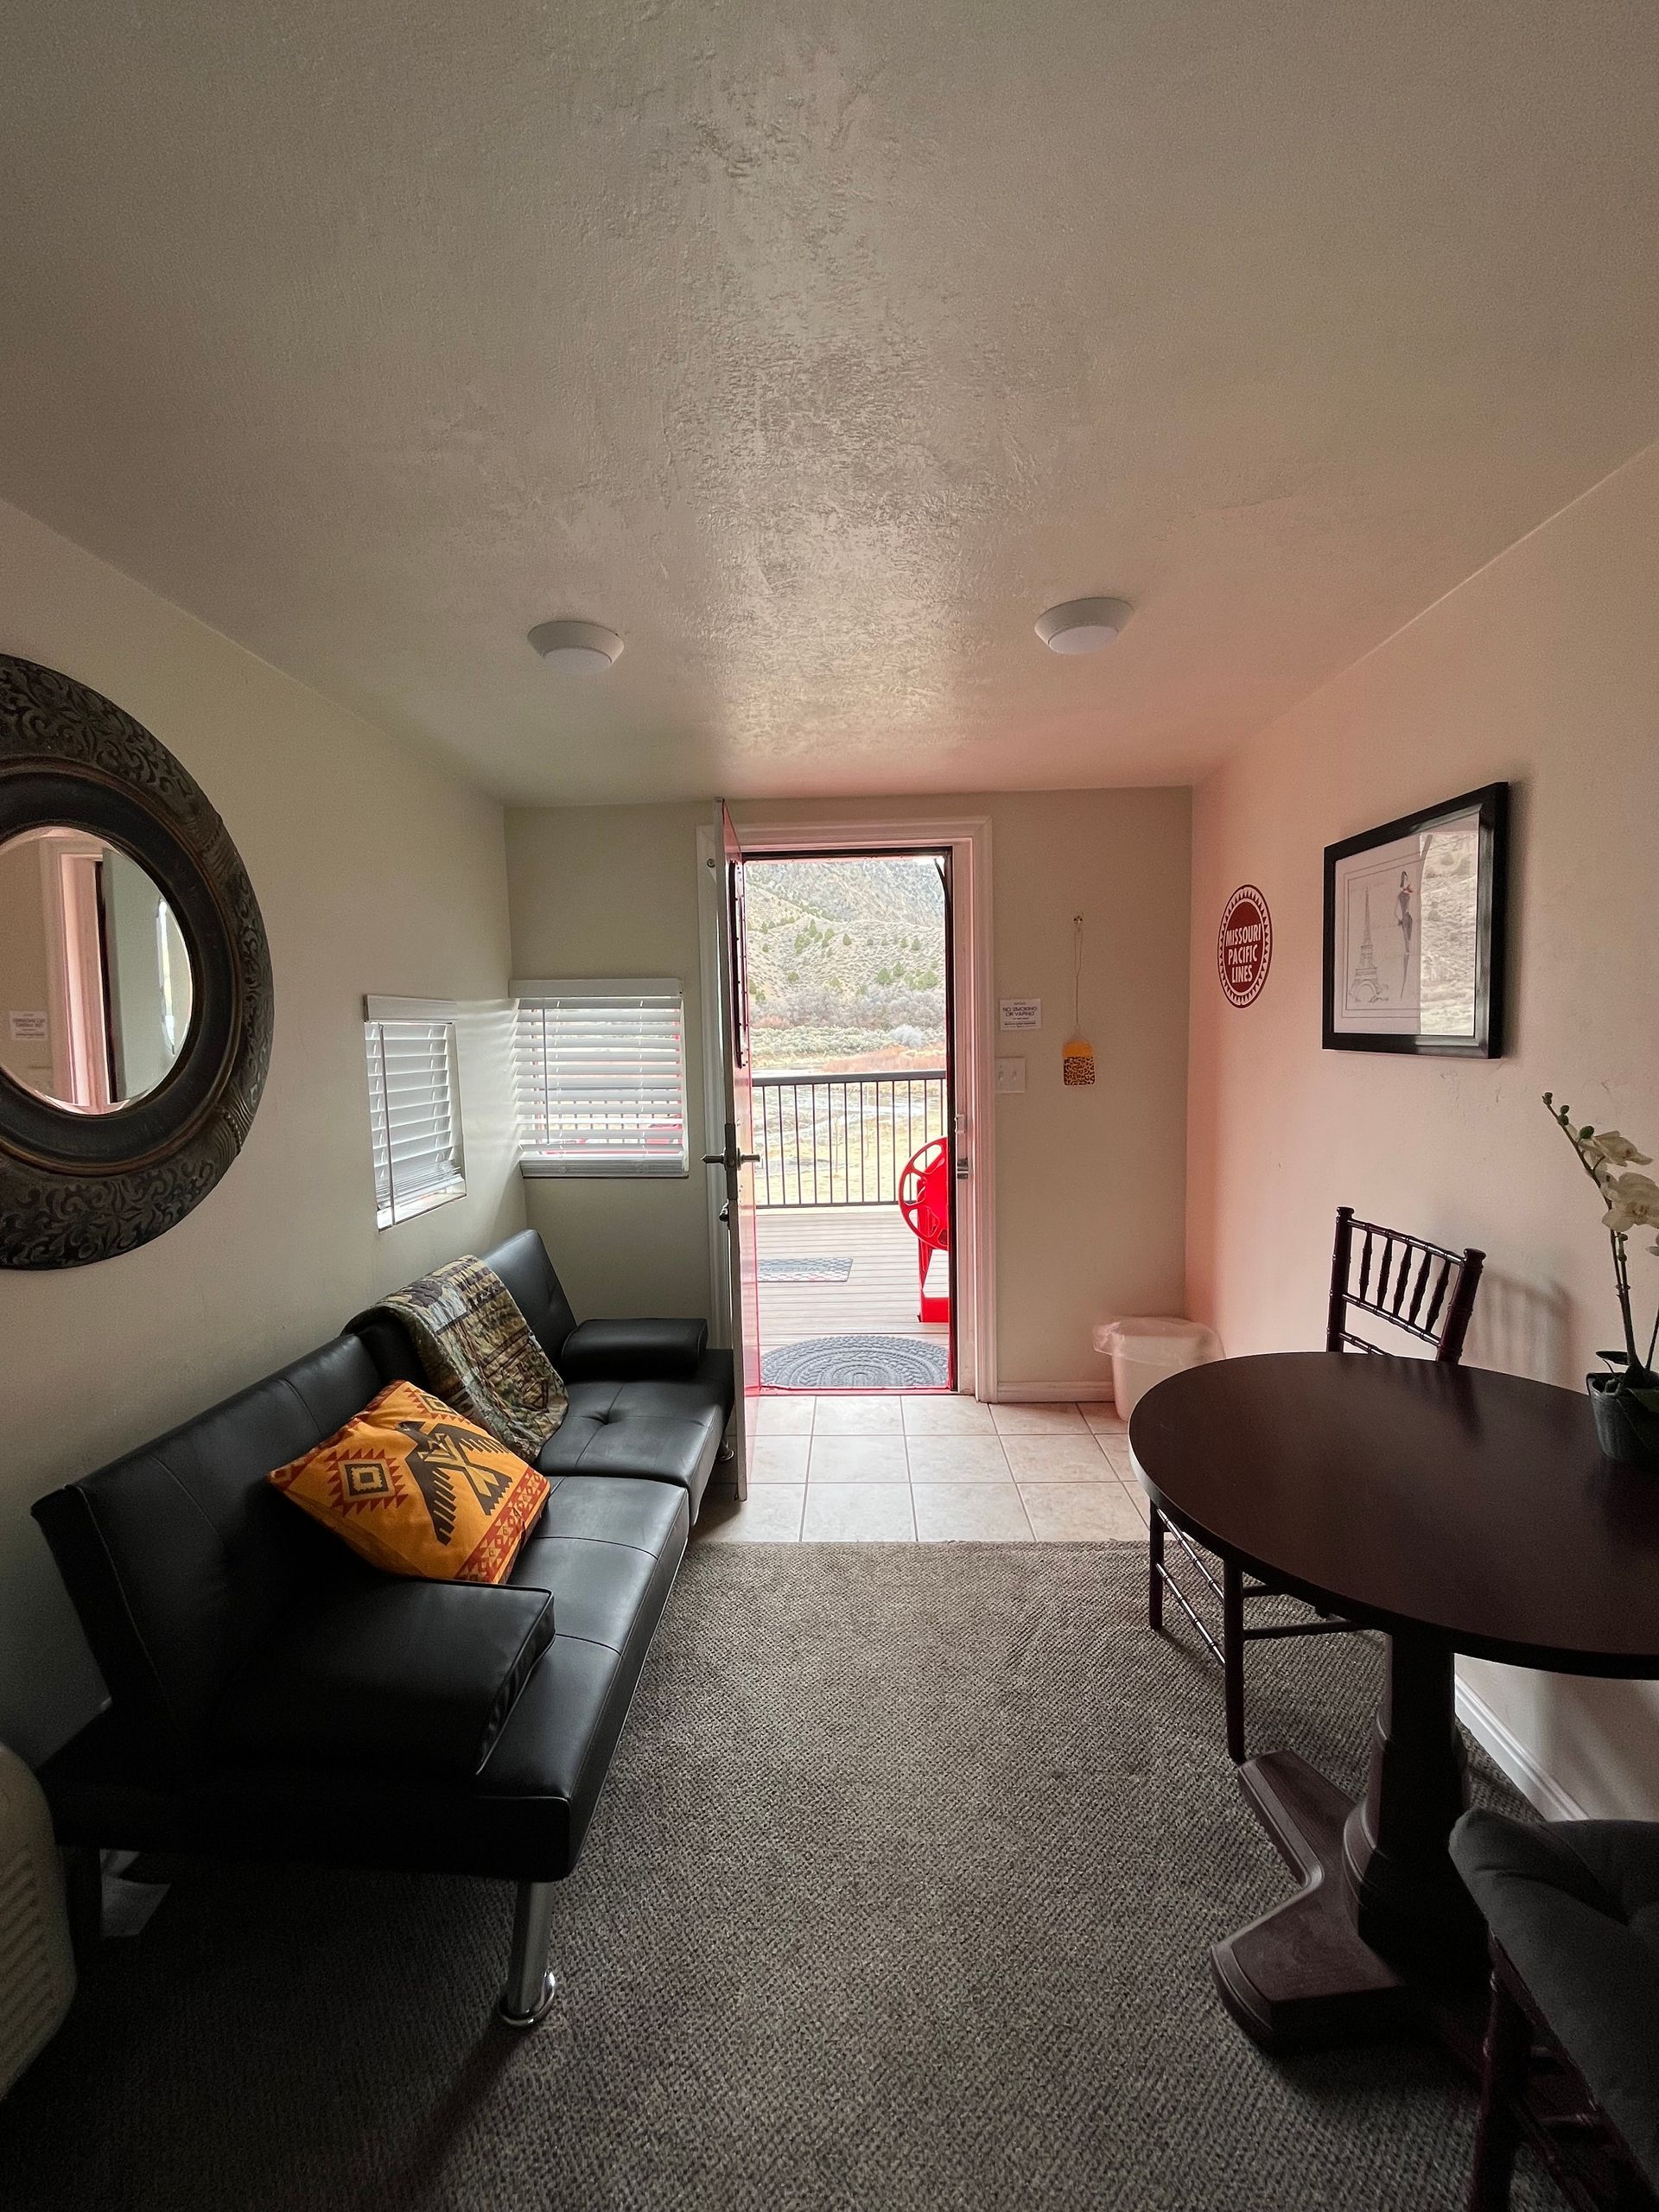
x: 817, y: 348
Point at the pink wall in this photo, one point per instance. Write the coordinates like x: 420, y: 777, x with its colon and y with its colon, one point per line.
x: 1544, y: 670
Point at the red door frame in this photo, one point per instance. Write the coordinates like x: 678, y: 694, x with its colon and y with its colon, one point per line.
x: 943, y: 858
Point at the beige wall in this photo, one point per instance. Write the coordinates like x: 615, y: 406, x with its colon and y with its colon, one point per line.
x: 612, y: 890
x: 1541, y: 670
x: 375, y: 872
x: 1089, y: 1182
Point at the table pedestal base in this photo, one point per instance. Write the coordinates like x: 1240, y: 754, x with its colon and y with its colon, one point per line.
x: 1301, y: 1975
x: 1381, y: 1922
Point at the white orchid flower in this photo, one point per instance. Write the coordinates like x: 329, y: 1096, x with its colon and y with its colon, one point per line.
x: 1609, y: 1146
x: 1632, y: 1203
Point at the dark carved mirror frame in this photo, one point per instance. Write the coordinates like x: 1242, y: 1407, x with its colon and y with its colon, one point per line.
x: 76, y: 1187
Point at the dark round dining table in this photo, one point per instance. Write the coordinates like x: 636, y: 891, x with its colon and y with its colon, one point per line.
x: 1456, y: 1510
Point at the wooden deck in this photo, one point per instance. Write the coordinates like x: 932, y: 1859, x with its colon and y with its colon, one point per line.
x: 880, y: 1294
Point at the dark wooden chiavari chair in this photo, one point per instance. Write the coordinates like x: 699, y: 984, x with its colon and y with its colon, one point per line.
x: 1422, y: 1291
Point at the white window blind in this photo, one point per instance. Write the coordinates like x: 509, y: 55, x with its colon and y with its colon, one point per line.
x: 601, y: 1077
x: 414, y: 1106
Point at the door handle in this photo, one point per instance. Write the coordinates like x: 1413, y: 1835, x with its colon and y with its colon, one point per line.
x: 730, y: 1160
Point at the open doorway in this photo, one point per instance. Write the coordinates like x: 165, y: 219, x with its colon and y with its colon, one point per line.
x: 847, y: 973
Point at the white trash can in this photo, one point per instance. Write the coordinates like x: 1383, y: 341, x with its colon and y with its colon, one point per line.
x: 1144, y: 1349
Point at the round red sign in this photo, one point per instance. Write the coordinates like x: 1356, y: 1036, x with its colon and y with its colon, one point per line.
x: 1245, y: 945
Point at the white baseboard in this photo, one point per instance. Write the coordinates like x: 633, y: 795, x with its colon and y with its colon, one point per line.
x: 1053, y: 1393
x: 1510, y: 1756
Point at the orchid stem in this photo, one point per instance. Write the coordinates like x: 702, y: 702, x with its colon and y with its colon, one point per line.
x: 1622, y: 1284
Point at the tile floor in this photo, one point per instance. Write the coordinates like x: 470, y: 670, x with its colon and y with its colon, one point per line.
x: 931, y: 1470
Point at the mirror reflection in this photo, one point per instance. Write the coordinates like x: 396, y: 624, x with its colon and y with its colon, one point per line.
x: 95, y: 989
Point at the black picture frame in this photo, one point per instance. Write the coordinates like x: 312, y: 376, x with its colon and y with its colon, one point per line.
x: 1343, y: 1029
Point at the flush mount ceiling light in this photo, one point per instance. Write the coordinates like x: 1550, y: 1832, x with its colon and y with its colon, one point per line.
x: 1083, y: 625
x: 583, y: 648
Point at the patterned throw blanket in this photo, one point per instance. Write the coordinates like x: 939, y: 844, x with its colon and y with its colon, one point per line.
x: 478, y: 1354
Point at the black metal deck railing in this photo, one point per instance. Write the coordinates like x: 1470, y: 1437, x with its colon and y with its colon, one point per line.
x: 842, y: 1139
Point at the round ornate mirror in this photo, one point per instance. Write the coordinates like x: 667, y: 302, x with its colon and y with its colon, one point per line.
x: 135, y: 981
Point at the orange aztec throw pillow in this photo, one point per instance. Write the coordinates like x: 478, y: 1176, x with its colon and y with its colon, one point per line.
x: 417, y: 1489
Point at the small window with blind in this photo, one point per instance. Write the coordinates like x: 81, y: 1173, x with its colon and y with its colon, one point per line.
x: 414, y: 1106
x: 601, y: 1078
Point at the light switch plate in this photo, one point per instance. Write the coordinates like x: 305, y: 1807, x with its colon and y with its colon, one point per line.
x: 1010, y: 1075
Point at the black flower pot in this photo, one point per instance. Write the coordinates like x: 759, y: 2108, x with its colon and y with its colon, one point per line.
x: 1625, y: 1431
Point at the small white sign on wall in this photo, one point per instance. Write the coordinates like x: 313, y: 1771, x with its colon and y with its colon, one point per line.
x: 27, y: 1028
x: 1022, y: 1013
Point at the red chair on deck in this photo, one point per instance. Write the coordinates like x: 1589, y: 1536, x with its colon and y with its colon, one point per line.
x: 925, y: 1202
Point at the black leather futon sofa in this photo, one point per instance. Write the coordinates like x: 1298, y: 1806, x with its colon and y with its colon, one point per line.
x: 272, y: 1696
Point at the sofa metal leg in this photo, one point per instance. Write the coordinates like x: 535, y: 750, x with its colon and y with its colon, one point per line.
x: 530, y: 1986
x: 83, y: 1897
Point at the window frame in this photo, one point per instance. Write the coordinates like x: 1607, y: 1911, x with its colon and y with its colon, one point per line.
x: 540, y: 993
x: 392, y: 1209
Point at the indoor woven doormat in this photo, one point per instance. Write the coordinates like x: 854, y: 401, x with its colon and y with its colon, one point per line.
x: 815, y: 1270
x: 858, y: 1363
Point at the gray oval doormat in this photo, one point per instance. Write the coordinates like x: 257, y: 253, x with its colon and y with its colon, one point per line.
x: 858, y: 1363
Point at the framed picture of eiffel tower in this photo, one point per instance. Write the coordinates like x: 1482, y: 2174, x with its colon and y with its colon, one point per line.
x: 1414, y: 916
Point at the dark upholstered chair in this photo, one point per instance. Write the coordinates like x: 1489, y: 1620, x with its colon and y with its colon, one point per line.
x: 1572, y: 2056
x: 1425, y: 1295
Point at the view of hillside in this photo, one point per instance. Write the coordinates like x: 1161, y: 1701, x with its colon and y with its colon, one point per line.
x: 846, y: 965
